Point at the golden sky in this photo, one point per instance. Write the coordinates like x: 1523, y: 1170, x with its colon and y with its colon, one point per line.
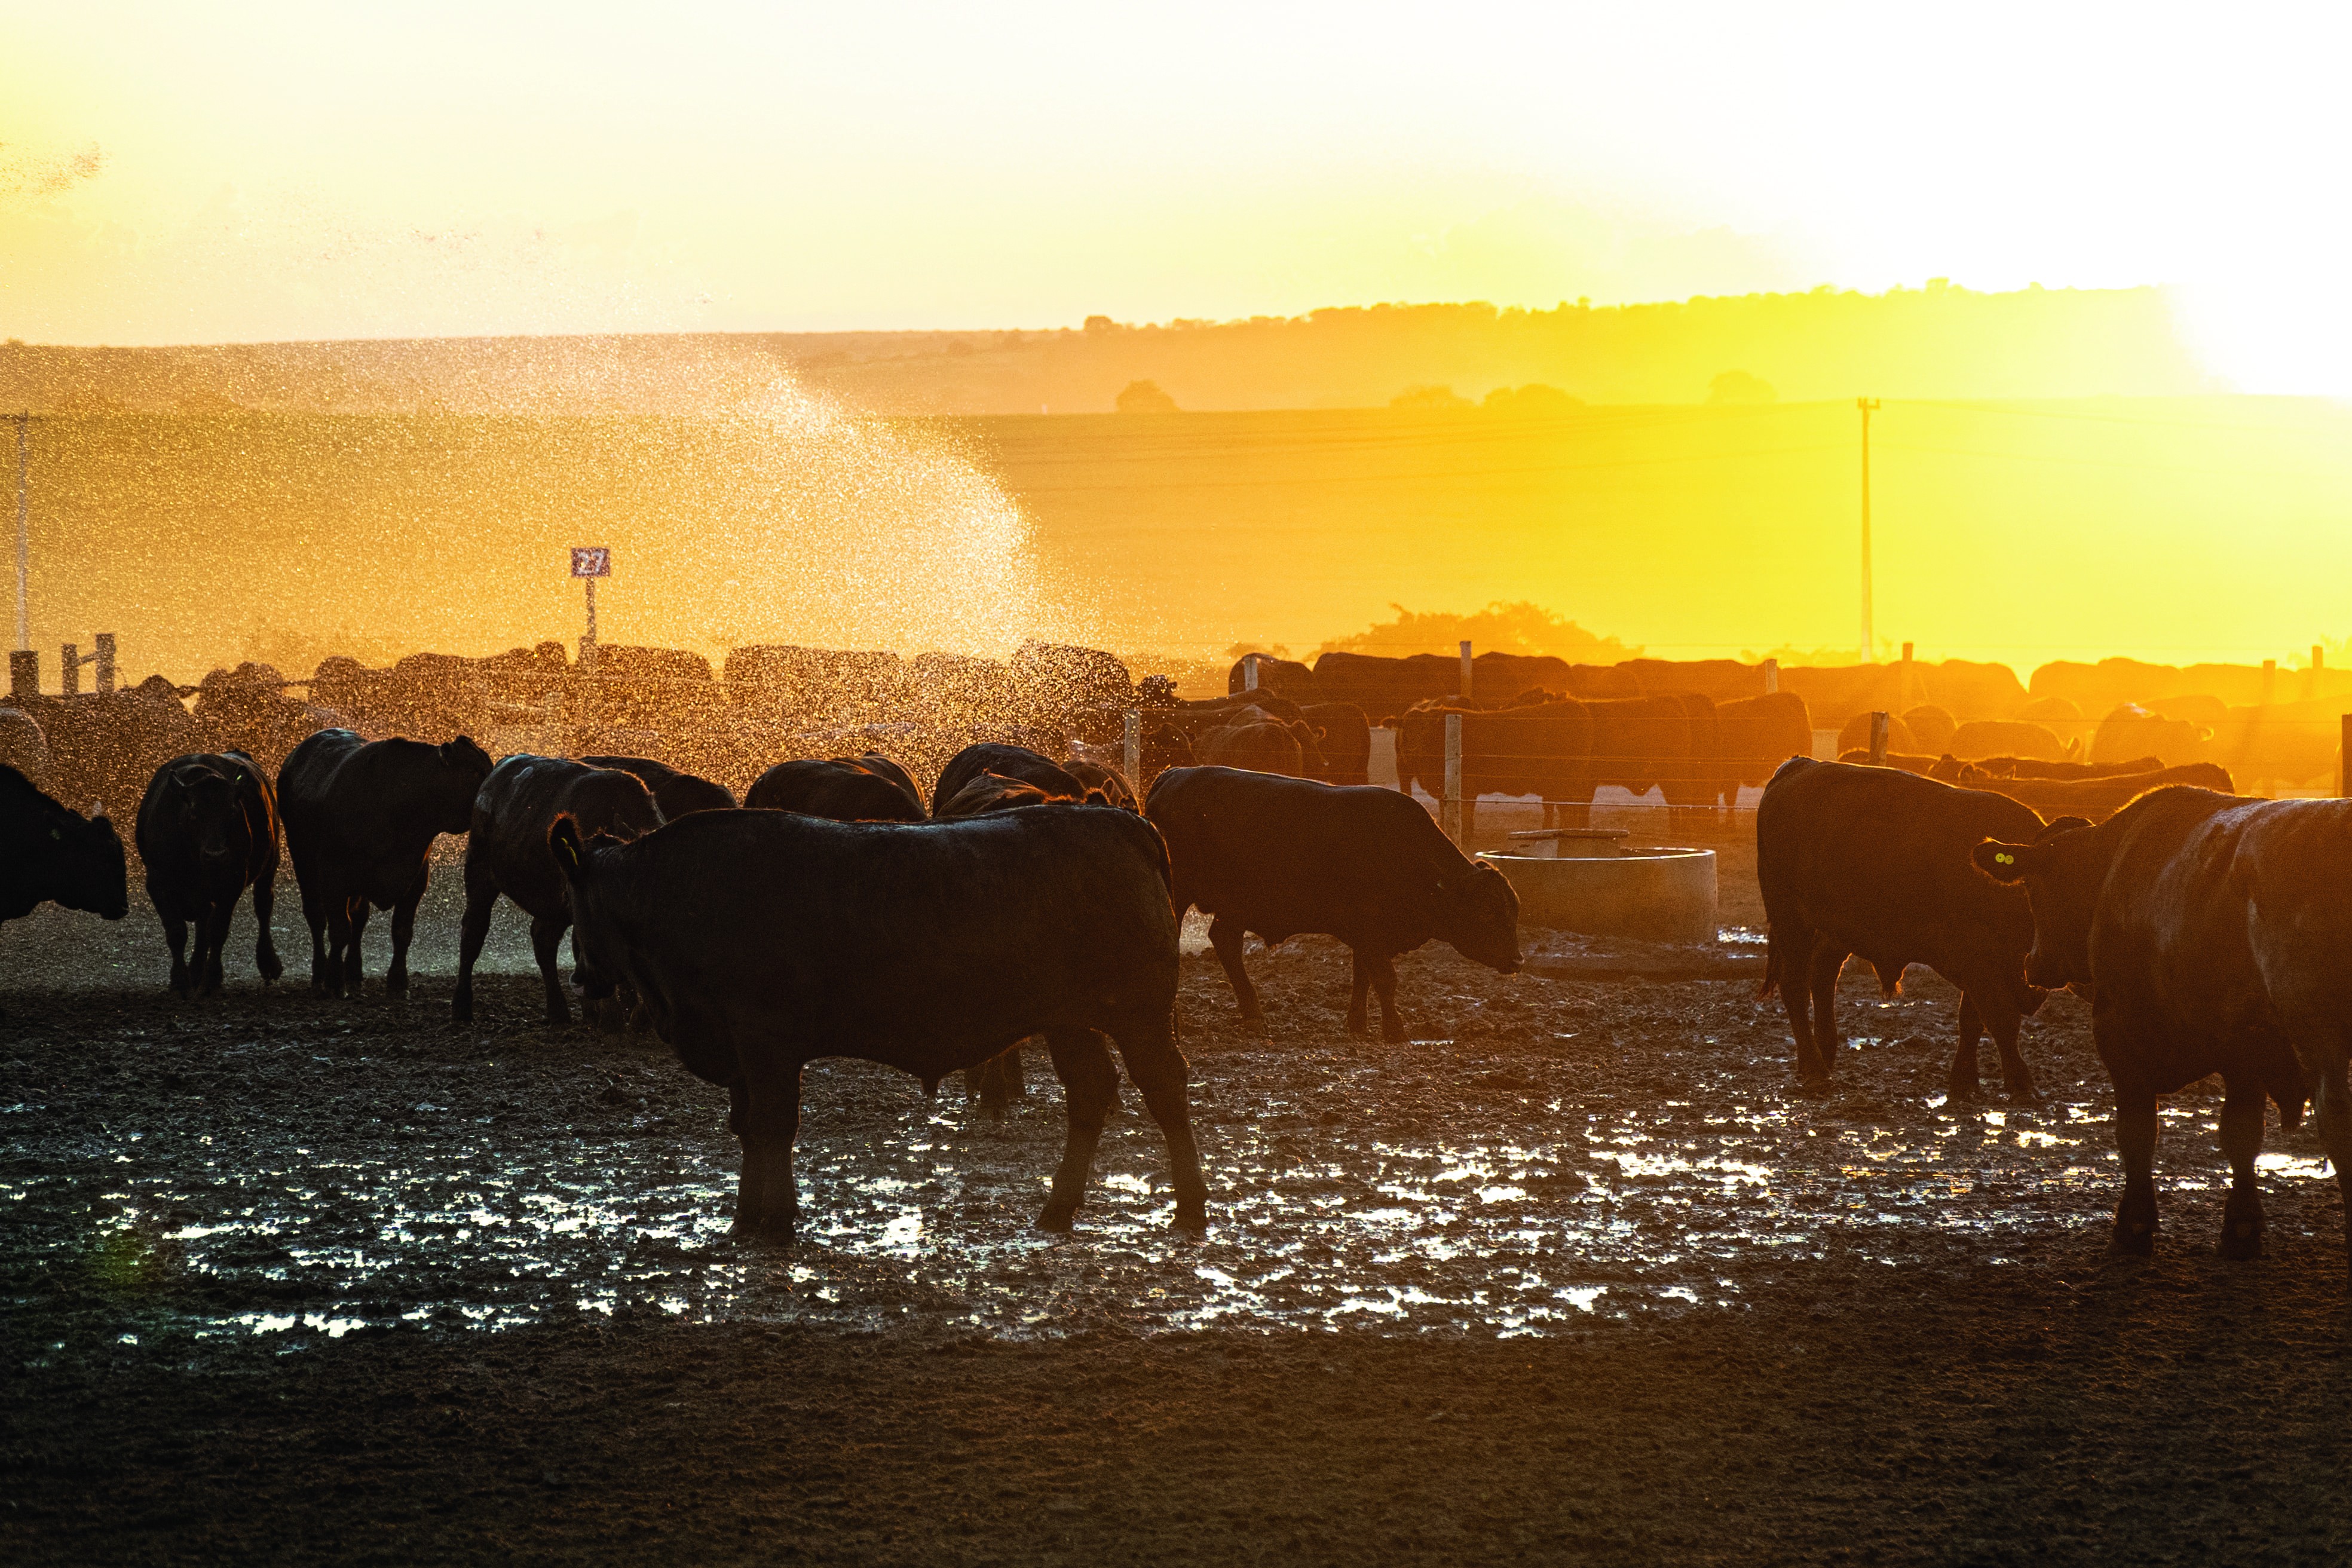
x: 249, y: 171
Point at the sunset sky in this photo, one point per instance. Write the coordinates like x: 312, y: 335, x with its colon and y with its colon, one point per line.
x: 245, y: 171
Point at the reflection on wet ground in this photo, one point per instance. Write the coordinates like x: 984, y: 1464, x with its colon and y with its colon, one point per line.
x: 1542, y: 1157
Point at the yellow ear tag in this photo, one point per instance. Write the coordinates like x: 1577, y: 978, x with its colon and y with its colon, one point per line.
x: 2006, y: 859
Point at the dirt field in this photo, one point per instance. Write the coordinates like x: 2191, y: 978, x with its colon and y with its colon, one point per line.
x: 1577, y: 1274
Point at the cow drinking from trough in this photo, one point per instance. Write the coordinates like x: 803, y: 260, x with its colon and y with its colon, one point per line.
x: 1257, y: 852
x: 1873, y: 862
x: 506, y: 852
x: 674, y: 792
x: 207, y: 830
x: 360, y: 818
x: 2215, y: 936
x: 763, y: 940
x: 839, y: 789
x: 49, y: 854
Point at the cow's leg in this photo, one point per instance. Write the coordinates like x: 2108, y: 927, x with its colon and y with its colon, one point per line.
x: 2242, y: 1140
x: 2332, y: 1113
x: 265, y: 945
x: 2136, y: 1142
x: 546, y: 938
x: 768, y: 1118
x: 1788, y: 954
x: 404, y: 927
x: 1359, y: 987
x: 1828, y: 959
x: 473, y: 929
x: 1149, y: 1048
x: 344, y: 946
x: 175, y: 936
x: 1962, y: 1083
x: 211, y: 937
x: 2001, y: 1021
x: 1226, y: 936
x: 1383, y: 969
x: 1089, y: 1085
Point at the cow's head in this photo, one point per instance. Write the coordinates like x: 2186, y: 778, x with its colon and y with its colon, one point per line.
x: 77, y: 862
x: 597, y: 948
x: 210, y: 815
x: 1478, y: 916
x: 2061, y: 870
x: 465, y: 766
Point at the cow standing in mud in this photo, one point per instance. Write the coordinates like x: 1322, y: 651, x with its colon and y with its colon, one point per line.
x: 763, y: 940
x: 2216, y: 937
x: 49, y: 853
x: 360, y: 818
x: 207, y: 830
x: 1873, y: 863
x: 506, y: 852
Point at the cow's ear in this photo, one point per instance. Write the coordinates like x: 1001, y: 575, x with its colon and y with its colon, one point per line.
x: 2058, y: 824
x: 2003, y: 862
x: 563, y: 843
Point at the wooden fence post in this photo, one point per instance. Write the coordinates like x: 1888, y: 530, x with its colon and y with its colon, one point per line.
x: 24, y: 673
x: 1878, y: 740
x: 1452, y: 818
x: 2344, y: 760
x: 1462, y: 686
x: 1249, y: 672
x: 1771, y: 676
x: 105, y: 657
x: 1132, y: 755
x: 69, y: 669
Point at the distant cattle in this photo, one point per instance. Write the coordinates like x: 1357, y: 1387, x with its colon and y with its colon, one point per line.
x: 249, y: 710
x: 506, y: 852
x: 1343, y: 738
x: 985, y: 793
x: 1873, y: 863
x: 360, y: 818
x: 2134, y: 731
x: 1757, y: 734
x: 841, y: 789
x: 107, y: 746
x: 763, y: 940
x: 1275, y: 677
x: 49, y: 854
x: 1252, y: 739
x: 2005, y: 738
x: 207, y: 830
x: 1103, y: 780
x: 1855, y: 736
x: 23, y: 746
x: 1909, y: 762
x: 2096, y: 799
x: 1949, y: 768
x: 1018, y: 762
x: 674, y: 792
x: 2215, y: 937
x: 1281, y: 857
x: 1931, y: 727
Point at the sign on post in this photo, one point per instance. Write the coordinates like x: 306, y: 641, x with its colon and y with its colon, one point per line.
x: 589, y: 562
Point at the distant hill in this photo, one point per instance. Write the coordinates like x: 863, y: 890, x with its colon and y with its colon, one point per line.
x: 1937, y: 342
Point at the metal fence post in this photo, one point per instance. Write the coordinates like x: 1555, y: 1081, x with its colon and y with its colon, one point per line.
x: 1453, y: 807
x: 2344, y: 759
x: 1878, y: 740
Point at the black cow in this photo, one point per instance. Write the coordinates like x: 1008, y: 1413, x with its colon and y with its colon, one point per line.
x: 994, y: 792
x: 1344, y: 737
x: 1872, y: 862
x: 674, y: 792
x: 840, y: 789
x: 1007, y: 762
x: 763, y: 940
x: 2215, y: 937
x: 360, y: 818
x: 49, y: 854
x: 207, y: 830
x: 506, y: 852
x: 1258, y: 852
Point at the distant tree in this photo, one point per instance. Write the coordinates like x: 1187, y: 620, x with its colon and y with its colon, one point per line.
x: 1523, y: 628
x: 1428, y: 398
x: 1145, y: 397
x: 1735, y: 387
x: 1099, y: 324
x: 1273, y: 649
x: 1534, y: 400
x: 958, y: 348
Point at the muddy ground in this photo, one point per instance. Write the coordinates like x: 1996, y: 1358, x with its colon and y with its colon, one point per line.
x: 1578, y: 1274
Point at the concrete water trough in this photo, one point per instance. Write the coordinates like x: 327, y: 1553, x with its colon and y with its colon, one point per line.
x: 1589, y: 880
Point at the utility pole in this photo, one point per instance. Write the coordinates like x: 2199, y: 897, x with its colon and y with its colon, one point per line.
x: 24, y: 543
x: 1869, y: 643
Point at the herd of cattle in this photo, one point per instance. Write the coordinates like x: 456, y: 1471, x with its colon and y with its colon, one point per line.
x: 1036, y: 890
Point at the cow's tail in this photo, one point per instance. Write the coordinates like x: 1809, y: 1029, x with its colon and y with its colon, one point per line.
x: 1775, y: 957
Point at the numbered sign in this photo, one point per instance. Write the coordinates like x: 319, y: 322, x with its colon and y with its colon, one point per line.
x: 592, y: 560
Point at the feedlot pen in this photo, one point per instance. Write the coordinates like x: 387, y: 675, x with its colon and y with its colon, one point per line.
x: 273, y: 1180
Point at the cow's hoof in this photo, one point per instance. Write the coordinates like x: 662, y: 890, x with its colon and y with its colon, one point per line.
x: 1360, y: 1028
x: 461, y: 1009
x: 2135, y: 1238
x: 772, y: 1231
x: 1957, y: 1089
x: 2242, y: 1227
x: 1058, y: 1218
x: 1192, y: 1218
x: 271, y: 969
